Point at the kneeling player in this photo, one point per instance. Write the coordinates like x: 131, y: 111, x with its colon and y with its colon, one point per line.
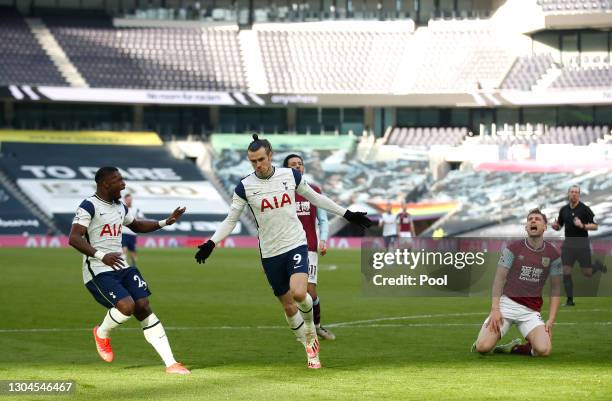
x: 517, y: 293
x: 96, y: 233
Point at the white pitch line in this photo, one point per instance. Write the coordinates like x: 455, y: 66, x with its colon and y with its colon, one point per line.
x: 430, y: 316
x: 350, y: 324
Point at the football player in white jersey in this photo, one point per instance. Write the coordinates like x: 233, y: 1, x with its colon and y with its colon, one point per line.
x: 96, y: 233
x: 269, y: 193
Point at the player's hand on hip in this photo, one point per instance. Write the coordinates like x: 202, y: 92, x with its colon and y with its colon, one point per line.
x: 178, y: 212
x: 495, y: 321
x: 114, y: 260
x: 322, y: 247
x: 204, y: 251
x: 358, y: 218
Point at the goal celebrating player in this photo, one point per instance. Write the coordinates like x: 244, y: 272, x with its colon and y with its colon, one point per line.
x: 269, y: 193
x: 308, y: 214
x: 96, y: 233
x: 517, y: 293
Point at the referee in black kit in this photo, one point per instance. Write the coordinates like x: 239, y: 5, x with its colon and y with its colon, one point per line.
x: 578, y: 221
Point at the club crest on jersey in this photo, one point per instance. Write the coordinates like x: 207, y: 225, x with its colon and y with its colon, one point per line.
x: 111, y: 230
x: 285, y: 184
x: 274, y: 202
x: 545, y: 261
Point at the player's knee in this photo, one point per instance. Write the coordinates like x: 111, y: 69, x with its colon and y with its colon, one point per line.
x: 484, y: 347
x: 587, y: 272
x: 543, y: 350
x: 142, y: 305
x: 299, y: 295
x: 126, y: 306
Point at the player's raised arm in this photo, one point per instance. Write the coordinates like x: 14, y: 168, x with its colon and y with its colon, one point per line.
x: 226, y: 227
x: 146, y: 226
x: 322, y: 201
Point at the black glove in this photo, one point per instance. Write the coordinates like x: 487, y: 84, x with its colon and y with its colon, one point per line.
x: 204, y: 251
x: 358, y: 218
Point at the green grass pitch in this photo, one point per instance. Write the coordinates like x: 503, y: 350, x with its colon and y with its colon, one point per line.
x: 225, y: 325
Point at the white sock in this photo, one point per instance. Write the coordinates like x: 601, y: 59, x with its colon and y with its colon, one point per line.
x: 296, y: 324
x: 112, y: 319
x: 156, y: 336
x: 305, y: 308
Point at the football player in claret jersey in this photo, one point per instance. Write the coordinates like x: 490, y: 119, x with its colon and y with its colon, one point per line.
x: 522, y: 271
x: 96, y: 233
x: 310, y: 215
x: 405, y: 227
x: 269, y: 193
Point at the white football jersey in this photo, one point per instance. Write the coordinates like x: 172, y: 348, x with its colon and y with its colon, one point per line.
x: 389, y: 224
x: 272, y: 202
x: 104, y: 222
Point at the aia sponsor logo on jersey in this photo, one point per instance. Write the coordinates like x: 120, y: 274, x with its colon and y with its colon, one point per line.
x: 275, y: 203
x: 113, y: 230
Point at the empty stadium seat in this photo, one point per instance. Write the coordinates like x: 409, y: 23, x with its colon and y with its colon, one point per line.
x: 150, y: 58
x: 22, y: 60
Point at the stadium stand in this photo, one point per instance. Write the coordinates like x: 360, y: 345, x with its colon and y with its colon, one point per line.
x: 460, y: 56
x: 16, y: 218
x: 57, y: 177
x: 584, y: 78
x: 575, y: 5
x: 150, y: 58
x: 489, y: 198
x: 426, y: 136
x: 348, y: 59
x: 576, y: 135
x: 526, y: 71
x: 22, y: 60
x: 340, y: 173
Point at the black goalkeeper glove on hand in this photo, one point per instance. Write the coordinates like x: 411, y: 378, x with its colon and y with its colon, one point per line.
x: 358, y: 218
x: 204, y: 251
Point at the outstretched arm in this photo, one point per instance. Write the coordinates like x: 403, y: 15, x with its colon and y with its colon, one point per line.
x: 225, y: 229
x: 146, y: 226
x: 319, y: 200
x: 322, y: 201
x: 227, y: 226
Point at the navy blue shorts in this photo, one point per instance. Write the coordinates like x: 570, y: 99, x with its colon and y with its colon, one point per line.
x: 280, y: 268
x: 128, y: 241
x: 109, y: 287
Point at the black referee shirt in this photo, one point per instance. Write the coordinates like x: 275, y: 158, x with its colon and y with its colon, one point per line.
x: 566, y: 219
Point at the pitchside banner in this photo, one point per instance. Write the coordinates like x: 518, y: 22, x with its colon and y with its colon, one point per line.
x: 462, y: 267
x: 58, y: 177
x: 63, y: 196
